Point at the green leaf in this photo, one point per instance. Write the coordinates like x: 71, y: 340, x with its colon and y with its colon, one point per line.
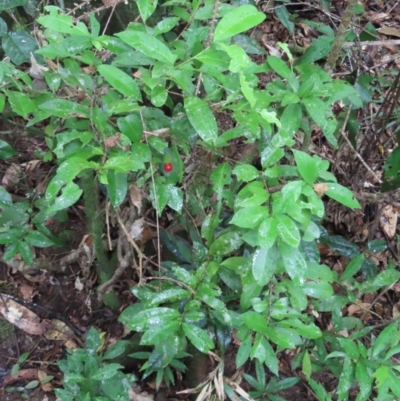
x: 146, y: 8
x: 64, y: 108
x: 245, y: 172
x: 198, y: 337
x: 279, y: 66
x: 93, y: 341
x: 18, y: 45
x: 131, y: 126
x: 268, y: 232
x: 169, y: 295
x: 263, y: 267
x: 36, y: 238
x: 364, y: 381
x: 6, y: 151
x: 175, y: 199
x: 256, y: 322
x: 318, y: 290
x: 226, y: 243
x: 236, y: 21
x: 271, y: 359
x: 243, y: 352
x: 283, y: 15
x: 148, y: 45
x: 69, y: 196
x: 342, y: 195
x: 21, y: 103
x: 306, y: 365
x: 107, y: 371
x: 288, y: 230
x: 345, y: 380
x: 120, y: 80
x: 26, y: 252
x: 158, y: 96
x: 158, y: 332
x: 7, y: 5
x: 389, y: 336
x: 308, y: 166
x: 117, y: 349
x: 201, y: 118
x: 117, y: 187
x: 62, y: 23
x: 293, y: 260
x: 249, y: 217
x: 352, y: 268
x: 165, y: 25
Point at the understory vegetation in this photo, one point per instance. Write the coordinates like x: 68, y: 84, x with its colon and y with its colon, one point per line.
x: 240, y: 191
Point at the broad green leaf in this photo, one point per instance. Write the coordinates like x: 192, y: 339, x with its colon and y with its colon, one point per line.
x: 239, y: 59
x: 62, y: 23
x: 36, y: 238
x: 93, y: 341
x: 117, y: 349
x: 158, y: 332
x: 146, y: 8
x: 169, y: 295
x: 69, y: 196
x: 131, y: 126
x: 120, y: 80
x: 201, y: 118
x: 198, y: 337
x: 293, y: 260
x: 342, y: 195
x: 282, y: 337
x: 249, y: 217
x: 306, y: 365
x: 214, y: 57
x: 21, y: 103
x: 271, y: 359
x: 146, y: 318
x: 288, y: 230
x: 318, y: 290
x: 268, y: 232
x: 64, y: 108
x: 258, y: 352
x: 310, y: 331
x: 349, y: 347
x: 364, y: 381
x: 243, y: 352
x: 245, y: 172
x: 148, y: 45
x: 283, y: 15
x: 6, y: 151
x: 345, y: 380
x: 158, y: 96
x: 352, y: 268
x: 279, y: 66
x: 307, y: 166
x: 389, y: 336
x: 26, y: 252
x: 226, y: 244
x: 18, y: 45
x: 256, y: 322
x: 7, y: 5
x: 263, y: 266
x: 247, y: 89
x: 117, y: 187
x: 107, y: 371
x: 165, y: 25
x: 236, y: 21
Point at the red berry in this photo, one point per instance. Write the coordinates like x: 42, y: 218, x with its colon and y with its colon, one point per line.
x: 168, y: 167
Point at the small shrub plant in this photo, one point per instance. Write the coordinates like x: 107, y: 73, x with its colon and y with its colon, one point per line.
x: 132, y: 108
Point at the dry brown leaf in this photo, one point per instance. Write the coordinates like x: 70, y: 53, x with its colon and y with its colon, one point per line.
x: 45, y: 386
x: 59, y: 331
x: 22, y: 317
x: 112, y: 141
x: 388, y: 221
x: 389, y: 31
x: 135, y: 195
x: 320, y: 189
x: 11, y: 176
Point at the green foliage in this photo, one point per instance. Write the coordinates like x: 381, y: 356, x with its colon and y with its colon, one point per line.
x: 253, y: 266
x: 89, y: 376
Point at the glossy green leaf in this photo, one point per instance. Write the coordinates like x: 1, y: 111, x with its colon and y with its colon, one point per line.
x: 279, y: 66
x: 364, y: 380
x: 6, y: 150
x: 389, y: 336
x: 284, y: 17
x: 345, y: 380
x: 243, y: 352
x: 21, y: 103
x: 117, y: 187
x: 169, y: 295
x: 64, y: 108
x: 165, y: 25
x: 198, y: 337
x: 148, y: 45
x: 36, y: 238
x: 158, y: 332
x: 226, y: 243
x: 107, y: 371
x: 318, y: 290
x: 146, y: 8
x: 287, y: 230
x: 255, y: 321
x: 268, y: 232
x: 18, y: 45
x: 263, y: 266
x: 69, y: 196
x: 146, y: 318
x: 120, y: 80
x: 116, y: 349
x: 249, y: 217
x: 293, y: 260
x: 307, y: 165
x: 236, y: 21
x: 131, y: 126
x: 245, y: 172
x: 158, y: 96
x: 342, y: 195
x: 26, y: 252
x: 201, y: 118
x: 352, y: 268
